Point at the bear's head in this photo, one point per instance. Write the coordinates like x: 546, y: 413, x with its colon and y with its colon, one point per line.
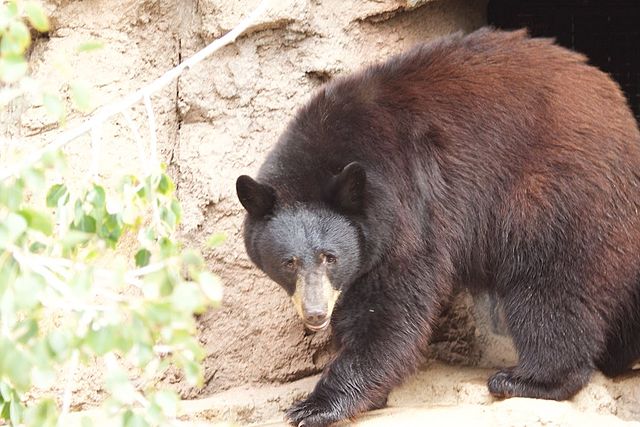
x: 312, y: 249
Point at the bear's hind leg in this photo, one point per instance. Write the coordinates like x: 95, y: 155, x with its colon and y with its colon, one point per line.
x: 556, y: 338
x: 622, y: 349
x: 507, y: 383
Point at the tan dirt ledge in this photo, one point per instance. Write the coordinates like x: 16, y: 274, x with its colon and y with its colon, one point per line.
x: 438, y: 395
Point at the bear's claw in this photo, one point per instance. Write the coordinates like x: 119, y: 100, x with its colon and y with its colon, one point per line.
x: 312, y: 413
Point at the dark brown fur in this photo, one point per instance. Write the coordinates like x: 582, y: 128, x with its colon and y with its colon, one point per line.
x: 493, y: 161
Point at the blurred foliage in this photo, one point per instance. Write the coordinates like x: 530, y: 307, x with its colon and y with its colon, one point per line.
x: 69, y: 295
x: 19, y: 19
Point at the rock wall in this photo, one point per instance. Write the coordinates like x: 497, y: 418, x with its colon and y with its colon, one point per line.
x: 217, y: 122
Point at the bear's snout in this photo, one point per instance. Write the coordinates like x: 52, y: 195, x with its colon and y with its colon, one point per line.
x: 314, y: 299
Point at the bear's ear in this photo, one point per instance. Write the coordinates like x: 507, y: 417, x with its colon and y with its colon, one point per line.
x: 258, y: 199
x: 347, y: 189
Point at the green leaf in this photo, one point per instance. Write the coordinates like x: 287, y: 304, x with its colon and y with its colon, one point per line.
x: 158, y: 313
x: 142, y: 258
x: 168, y: 247
x: 53, y: 159
x: 168, y: 217
x: 103, y: 339
x: 81, y: 96
x: 59, y: 343
x: 120, y: 387
x: 27, y: 289
x: 36, y: 16
x: 9, y: 270
x: 139, y: 331
x: 216, y: 240
x: 81, y: 282
x: 11, y: 194
x: 143, y: 355
x: 55, y: 193
x: 44, y: 377
x: 74, y: 238
x: 97, y: 197
x: 177, y: 210
x: 16, y: 367
x: 90, y: 46
x: 86, y: 224
x: 8, y: 12
x: 43, y: 414
x: 37, y: 220
x: 8, y: 307
x: 37, y: 247
x: 16, y: 39
x: 165, y: 186
x: 142, y: 192
x: 11, y: 228
x: 5, y: 391
x: 187, y: 298
x: 111, y: 229
x: 211, y: 286
x: 192, y: 371
x: 34, y: 178
x: 168, y: 401
x: 5, y: 413
x: 153, y: 414
x: 16, y: 410
x: 192, y: 258
x: 12, y: 68
x: 12, y: 6
x: 132, y: 419
x: 26, y: 330
x: 54, y: 106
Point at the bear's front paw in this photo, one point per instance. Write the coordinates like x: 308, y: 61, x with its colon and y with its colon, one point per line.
x: 312, y: 413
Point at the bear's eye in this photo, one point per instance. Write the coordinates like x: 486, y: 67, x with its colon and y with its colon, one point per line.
x: 329, y: 258
x: 290, y: 264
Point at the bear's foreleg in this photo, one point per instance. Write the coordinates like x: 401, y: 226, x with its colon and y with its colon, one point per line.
x: 381, y: 333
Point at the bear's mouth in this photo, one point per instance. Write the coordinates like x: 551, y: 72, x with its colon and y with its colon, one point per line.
x: 320, y: 327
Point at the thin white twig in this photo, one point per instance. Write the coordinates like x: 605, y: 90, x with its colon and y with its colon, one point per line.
x: 96, y: 140
x: 30, y: 263
x: 48, y: 267
x: 104, y: 113
x: 143, y: 271
x: 139, y: 142
x: 112, y: 364
x: 53, y: 263
x: 163, y: 350
x: 68, y: 389
x: 153, y: 136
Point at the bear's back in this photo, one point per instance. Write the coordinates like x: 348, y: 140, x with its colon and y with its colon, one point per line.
x: 483, y: 108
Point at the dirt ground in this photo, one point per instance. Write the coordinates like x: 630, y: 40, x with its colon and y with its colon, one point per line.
x: 444, y: 394
x: 217, y: 122
x: 438, y: 395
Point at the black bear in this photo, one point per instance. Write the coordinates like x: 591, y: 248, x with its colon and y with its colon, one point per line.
x: 493, y: 161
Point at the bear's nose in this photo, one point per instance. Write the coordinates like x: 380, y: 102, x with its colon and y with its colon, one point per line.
x: 316, y: 319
